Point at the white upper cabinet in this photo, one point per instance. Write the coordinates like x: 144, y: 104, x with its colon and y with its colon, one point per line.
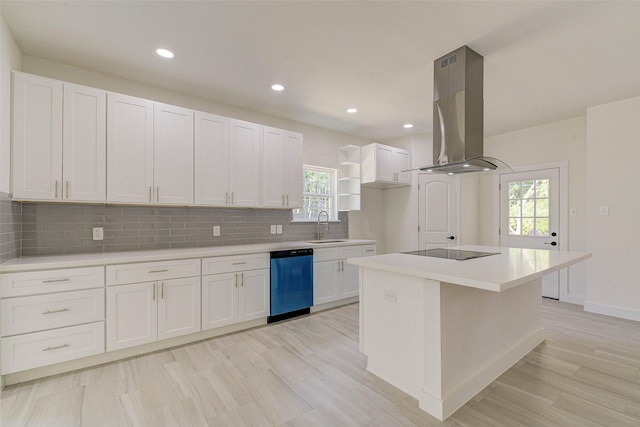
x: 244, y: 163
x: 37, y: 137
x: 211, y: 159
x: 59, y: 135
x: 382, y: 166
x: 84, y: 161
x: 282, y: 169
x: 173, y: 154
x: 129, y: 149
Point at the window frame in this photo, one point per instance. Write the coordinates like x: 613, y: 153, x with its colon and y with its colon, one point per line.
x: 333, y: 212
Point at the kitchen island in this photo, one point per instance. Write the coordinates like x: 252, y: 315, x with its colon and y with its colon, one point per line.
x: 441, y: 330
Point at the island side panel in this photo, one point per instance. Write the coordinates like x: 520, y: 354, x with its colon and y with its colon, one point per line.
x: 400, y: 329
x: 483, y: 334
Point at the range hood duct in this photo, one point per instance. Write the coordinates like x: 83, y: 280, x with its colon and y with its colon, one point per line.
x: 458, y: 115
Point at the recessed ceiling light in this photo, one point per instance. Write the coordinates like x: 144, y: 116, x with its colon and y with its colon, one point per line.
x: 408, y: 126
x: 465, y: 165
x: 450, y: 173
x: 429, y: 170
x: 164, y: 53
x: 277, y: 87
x: 352, y: 110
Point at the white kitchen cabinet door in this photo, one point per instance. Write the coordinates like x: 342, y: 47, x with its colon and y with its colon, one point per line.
x: 254, y: 295
x: 382, y: 166
x: 84, y: 163
x: 384, y: 163
x: 129, y: 149
x: 326, y: 281
x: 293, y: 169
x: 273, y: 167
x: 211, y: 159
x: 132, y: 315
x: 219, y: 300
x: 178, y: 307
x: 244, y: 163
x: 172, y: 155
x: 349, y: 273
x: 37, y: 138
x: 402, y: 162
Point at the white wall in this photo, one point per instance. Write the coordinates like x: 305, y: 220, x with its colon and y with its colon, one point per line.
x: 10, y: 59
x: 613, y: 150
x: 320, y: 145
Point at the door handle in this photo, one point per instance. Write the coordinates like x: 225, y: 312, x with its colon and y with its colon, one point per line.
x: 551, y: 243
x: 451, y: 237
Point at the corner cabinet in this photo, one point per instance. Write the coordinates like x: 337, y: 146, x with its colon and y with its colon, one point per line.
x: 282, y: 169
x: 59, y: 140
x: 349, y: 178
x: 382, y: 166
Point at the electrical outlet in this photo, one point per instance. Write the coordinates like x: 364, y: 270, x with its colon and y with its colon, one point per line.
x: 216, y: 230
x: 98, y: 233
x: 604, y: 210
x: 279, y: 229
x: 273, y: 229
x: 390, y: 296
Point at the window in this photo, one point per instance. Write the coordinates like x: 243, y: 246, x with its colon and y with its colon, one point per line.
x: 529, y: 208
x: 319, y: 193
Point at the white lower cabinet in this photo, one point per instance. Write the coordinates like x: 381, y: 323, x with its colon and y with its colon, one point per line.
x: 51, y: 316
x: 333, y: 278
x: 237, y: 293
x: 159, y: 305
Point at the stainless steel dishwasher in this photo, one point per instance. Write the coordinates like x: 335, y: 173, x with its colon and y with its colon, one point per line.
x: 291, y: 283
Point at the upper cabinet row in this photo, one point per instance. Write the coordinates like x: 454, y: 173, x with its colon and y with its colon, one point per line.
x: 80, y: 144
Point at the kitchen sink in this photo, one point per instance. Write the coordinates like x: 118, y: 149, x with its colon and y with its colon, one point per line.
x: 325, y: 241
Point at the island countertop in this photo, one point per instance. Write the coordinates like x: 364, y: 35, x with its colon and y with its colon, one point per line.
x: 510, y: 267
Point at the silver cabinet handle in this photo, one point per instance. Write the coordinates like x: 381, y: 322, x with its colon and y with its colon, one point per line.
x: 235, y: 280
x: 162, y: 290
x: 56, y: 347
x: 232, y: 197
x: 56, y: 311
x: 67, y: 188
x: 154, y: 292
x: 158, y: 271
x: 287, y: 200
x: 369, y: 250
x: 56, y: 195
x: 66, y: 279
x: 239, y: 263
x: 150, y: 189
x: 226, y: 197
x: 242, y: 279
x: 283, y: 200
x: 157, y: 193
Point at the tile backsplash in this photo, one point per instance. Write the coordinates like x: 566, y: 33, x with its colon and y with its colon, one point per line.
x: 58, y: 229
x: 10, y: 228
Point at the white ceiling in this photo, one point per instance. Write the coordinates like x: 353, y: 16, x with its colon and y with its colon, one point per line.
x: 544, y: 61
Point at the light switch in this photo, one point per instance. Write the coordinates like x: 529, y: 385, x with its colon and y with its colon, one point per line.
x: 604, y: 210
x: 273, y: 229
x: 279, y: 229
x: 216, y: 230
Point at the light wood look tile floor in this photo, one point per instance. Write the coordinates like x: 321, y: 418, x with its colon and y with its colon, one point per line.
x: 308, y: 372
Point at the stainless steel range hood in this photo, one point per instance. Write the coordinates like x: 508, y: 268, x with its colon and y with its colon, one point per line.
x: 458, y: 115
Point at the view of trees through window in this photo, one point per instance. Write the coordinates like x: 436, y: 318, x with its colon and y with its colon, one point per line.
x: 529, y: 208
x: 318, y: 193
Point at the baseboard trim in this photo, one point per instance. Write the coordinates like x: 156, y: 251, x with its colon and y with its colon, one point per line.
x: 610, y: 310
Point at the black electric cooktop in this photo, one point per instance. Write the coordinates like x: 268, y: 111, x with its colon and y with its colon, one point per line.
x: 457, y: 254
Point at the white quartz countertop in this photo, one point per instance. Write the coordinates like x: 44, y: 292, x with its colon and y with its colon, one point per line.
x: 109, y: 258
x: 509, y: 268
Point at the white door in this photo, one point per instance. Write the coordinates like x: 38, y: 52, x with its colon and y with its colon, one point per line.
x: 219, y: 300
x: 437, y: 211
x: 129, y: 149
x: 244, y: 163
x: 37, y: 137
x: 273, y: 164
x: 529, y: 215
x: 178, y: 307
x: 173, y: 154
x: 84, y: 163
x: 211, y: 159
x: 132, y: 315
x: 293, y: 170
x: 255, y: 294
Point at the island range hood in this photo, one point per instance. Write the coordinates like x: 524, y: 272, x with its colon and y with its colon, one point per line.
x: 458, y: 115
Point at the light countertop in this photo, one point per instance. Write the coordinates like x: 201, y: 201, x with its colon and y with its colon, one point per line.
x: 109, y: 258
x: 509, y: 268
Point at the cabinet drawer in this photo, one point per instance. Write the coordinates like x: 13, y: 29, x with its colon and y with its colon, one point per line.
x: 40, y: 282
x: 41, y: 312
x: 228, y: 264
x: 45, y: 348
x: 149, y: 271
x: 351, y: 251
x: 325, y: 254
x: 369, y: 250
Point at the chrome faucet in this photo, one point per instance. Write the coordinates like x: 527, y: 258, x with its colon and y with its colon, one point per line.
x: 320, y: 236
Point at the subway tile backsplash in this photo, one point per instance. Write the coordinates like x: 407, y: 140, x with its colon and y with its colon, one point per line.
x: 10, y: 228
x: 58, y: 229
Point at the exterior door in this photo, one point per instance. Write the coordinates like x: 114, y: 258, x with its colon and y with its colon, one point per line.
x: 529, y: 216
x: 438, y: 211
